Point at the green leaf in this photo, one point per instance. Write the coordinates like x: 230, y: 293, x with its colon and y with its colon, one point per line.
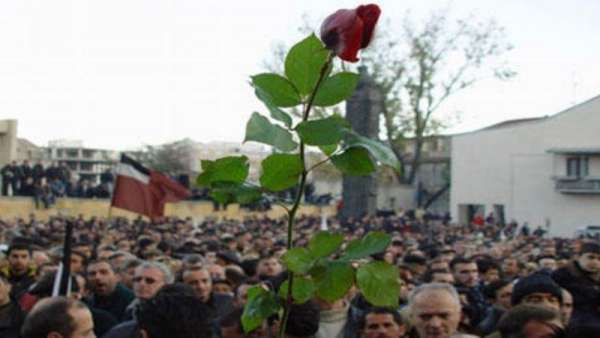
x: 228, y: 193
x: 276, y: 113
x: 259, y: 129
x: 298, y: 260
x: 303, y: 289
x: 379, y: 151
x: 227, y: 169
x: 324, y: 244
x: 374, y: 242
x: 354, y: 161
x: 336, y: 89
x: 378, y: 282
x: 260, y: 306
x: 328, y: 149
x: 325, y: 131
x: 280, y: 171
x: 334, y: 281
x: 280, y: 90
x: 245, y: 194
x: 221, y: 196
x: 303, y: 63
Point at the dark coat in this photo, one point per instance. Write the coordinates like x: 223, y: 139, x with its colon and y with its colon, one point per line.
x: 103, y: 321
x: 20, y: 284
x: 221, y: 304
x: 477, y: 303
x: 115, y: 303
x: 38, y: 172
x: 128, y: 329
x: 11, y: 319
x: 585, y: 291
x: 490, y: 321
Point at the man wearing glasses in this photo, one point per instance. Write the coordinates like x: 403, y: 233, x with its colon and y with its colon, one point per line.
x: 148, y: 279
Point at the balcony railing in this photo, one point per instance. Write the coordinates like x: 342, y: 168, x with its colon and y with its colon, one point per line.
x: 574, y: 185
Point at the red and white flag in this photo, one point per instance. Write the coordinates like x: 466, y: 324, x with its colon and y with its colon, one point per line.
x: 144, y: 191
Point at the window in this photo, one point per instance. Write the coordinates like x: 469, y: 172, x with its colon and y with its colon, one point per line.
x: 578, y: 166
x: 87, y: 153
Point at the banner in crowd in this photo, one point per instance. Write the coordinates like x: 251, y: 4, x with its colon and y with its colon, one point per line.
x: 144, y: 191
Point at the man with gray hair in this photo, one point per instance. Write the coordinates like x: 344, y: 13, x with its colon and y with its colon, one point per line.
x: 148, y: 279
x: 435, y: 310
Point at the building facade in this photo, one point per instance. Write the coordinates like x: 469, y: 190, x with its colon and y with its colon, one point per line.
x: 8, y: 141
x: 543, y: 171
x: 431, y: 179
x: 84, y: 163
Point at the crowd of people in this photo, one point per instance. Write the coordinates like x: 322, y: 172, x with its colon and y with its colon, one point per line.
x: 180, y: 278
x: 47, y: 183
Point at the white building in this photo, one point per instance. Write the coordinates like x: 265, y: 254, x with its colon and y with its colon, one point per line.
x: 544, y: 171
x: 87, y: 163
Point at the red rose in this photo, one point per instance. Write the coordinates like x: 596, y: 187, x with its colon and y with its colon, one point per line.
x: 349, y: 30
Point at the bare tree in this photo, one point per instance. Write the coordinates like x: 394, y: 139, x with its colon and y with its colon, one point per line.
x: 170, y: 158
x: 420, y: 70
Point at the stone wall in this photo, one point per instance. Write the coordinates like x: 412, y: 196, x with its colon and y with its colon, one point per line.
x: 14, y: 207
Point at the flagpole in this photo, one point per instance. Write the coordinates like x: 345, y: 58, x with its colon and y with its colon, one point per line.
x: 66, y: 262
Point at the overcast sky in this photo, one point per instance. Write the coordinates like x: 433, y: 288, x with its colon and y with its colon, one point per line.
x: 121, y: 73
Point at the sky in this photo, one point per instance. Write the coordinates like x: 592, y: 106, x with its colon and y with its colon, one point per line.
x: 119, y: 74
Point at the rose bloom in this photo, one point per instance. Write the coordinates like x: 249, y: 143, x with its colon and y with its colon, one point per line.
x: 347, y: 31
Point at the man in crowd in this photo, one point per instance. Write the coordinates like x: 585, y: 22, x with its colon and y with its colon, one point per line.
x: 537, y: 289
x: 581, y: 277
x: 566, y: 310
x: 510, y: 268
x: 333, y: 318
x: 268, y: 267
x: 126, y: 271
x: 37, y: 172
x: 59, y: 317
x: 438, y: 276
x: 78, y: 262
x: 107, y: 293
x: 19, y: 272
x: 26, y: 172
x: 303, y: 321
x: 11, y: 176
x: 11, y: 316
x: 149, y: 278
x: 547, y: 262
x: 499, y: 293
x: 529, y: 321
x: 466, y: 275
x: 201, y: 282
x: 175, y: 313
x: 382, y: 323
x: 435, y: 310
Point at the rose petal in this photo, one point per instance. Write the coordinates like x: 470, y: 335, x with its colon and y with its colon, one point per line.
x: 347, y: 31
x: 369, y: 14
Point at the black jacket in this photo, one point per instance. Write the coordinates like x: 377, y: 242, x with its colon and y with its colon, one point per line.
x: 115, y: 303
x: 221, y: 304
x: 585, y: 291
x: 128, y: 329
x: 490, y: 322
x: 11, y: 319
x: 103, y: 321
